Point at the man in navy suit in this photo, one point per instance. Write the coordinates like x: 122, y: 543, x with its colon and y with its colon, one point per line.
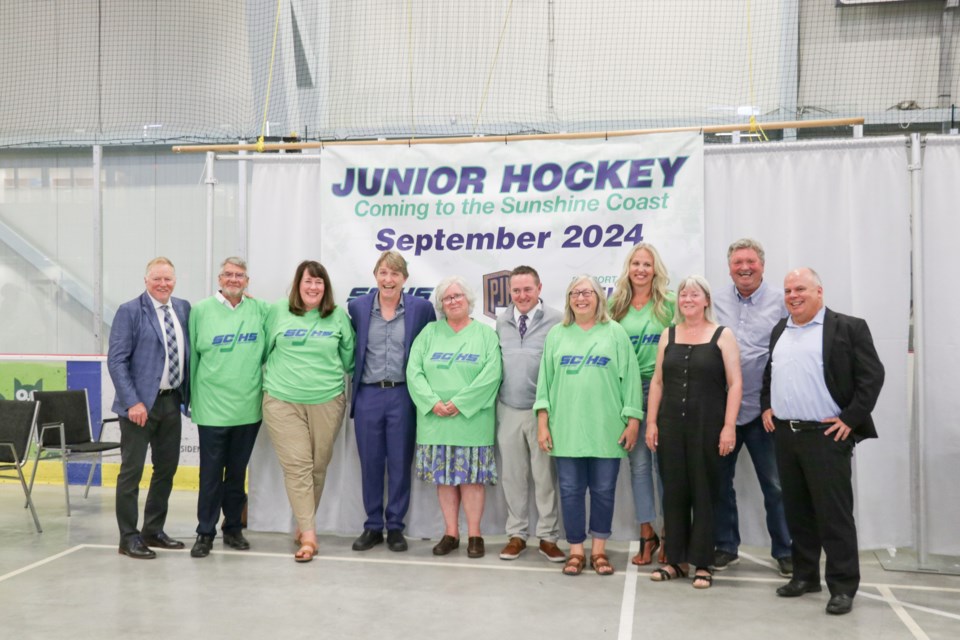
x: 821, y: 383
x: 386, y: 321
x: 149, y: 365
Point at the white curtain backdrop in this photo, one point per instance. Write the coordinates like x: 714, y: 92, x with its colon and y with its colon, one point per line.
x: 841, y: 207
x: 941, y: 351
x: 284, y: 224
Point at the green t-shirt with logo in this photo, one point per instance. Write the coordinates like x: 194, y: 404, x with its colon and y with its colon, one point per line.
x: 589, y: 384
x: 463, y: 367
x: 226, y: 362
x: 307, y: 356
x: 644, y: 329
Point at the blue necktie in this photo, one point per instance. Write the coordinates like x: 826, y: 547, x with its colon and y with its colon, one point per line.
x: 523, y: 325
x: 173, y: 354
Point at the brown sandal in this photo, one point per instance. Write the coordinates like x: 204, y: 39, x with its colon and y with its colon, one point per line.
x: 574, y: 565
x: 601, y: 564
x: 306, y: 551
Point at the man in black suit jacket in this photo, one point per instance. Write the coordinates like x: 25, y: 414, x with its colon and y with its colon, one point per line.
x: 149, y: 363
x: 822, y: 382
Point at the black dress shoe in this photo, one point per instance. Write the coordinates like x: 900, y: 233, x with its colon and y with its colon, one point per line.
x: 796, y: 588
x: 236, y: 541
x: 201, y: 548
x: 840, y: 604
x: 396, y: 541
x: 135, y: 548
x: 475, y: 547
x: 368, y: 540
x: 161, y: 540
x: 446, y: 545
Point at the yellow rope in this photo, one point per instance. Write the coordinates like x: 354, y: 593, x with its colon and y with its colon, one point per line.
x: 496, y: 55
x: 754, y: 125
x: 266, y: 101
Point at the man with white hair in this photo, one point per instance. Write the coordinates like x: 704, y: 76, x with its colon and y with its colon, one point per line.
x: 226, y: 376
x: 148, y: 363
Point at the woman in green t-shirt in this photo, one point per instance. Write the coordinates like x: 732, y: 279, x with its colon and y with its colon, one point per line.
x: 453, y: 376
x: 588, y: 416
x: 309, y: 350
x: 644, y: 307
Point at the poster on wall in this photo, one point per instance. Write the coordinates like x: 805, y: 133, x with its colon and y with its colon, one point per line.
x: 478, y: 210
x: 20, y: 378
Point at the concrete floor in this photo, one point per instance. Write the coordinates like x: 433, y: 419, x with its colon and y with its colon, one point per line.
x: 69, y: 582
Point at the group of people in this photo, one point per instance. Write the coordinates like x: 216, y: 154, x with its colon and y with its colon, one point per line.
x: 677, y: 383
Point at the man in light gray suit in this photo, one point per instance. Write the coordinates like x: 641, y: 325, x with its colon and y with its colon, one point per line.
x: 149, y: 365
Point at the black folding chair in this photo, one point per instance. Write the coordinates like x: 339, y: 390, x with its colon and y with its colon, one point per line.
x: 65, y: 432
x: 18, y: 421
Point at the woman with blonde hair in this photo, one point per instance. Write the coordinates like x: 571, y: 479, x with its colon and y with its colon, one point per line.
x: 588, y: 416
x: 644, y: 307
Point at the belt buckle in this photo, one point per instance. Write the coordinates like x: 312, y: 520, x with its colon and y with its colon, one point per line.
x: 792, y: 427
x: 387, y: 384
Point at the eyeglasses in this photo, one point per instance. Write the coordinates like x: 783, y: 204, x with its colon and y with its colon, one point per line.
x: 456, y: 297
x: 231, y: 275
x: 581, y: 293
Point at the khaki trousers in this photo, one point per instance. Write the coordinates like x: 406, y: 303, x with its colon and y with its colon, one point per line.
x: 521, y: 458
x: 303, y: 437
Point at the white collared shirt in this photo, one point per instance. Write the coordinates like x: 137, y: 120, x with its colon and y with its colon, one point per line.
x: 178, y: 331
x: 229, y: 305
x: 530, y: 314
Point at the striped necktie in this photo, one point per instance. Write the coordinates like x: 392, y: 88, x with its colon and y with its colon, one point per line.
x: 173, y: 354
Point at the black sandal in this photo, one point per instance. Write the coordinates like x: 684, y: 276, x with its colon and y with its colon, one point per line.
x: 707, y: 578
x: 638, y: 559
x: 663, y: 574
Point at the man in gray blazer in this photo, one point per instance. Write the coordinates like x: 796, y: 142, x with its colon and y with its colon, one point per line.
x: 149, y: 365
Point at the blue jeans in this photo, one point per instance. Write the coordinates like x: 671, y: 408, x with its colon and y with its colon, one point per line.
x: 575, y: 476
x: 726, y: 530
x: 643, y: 468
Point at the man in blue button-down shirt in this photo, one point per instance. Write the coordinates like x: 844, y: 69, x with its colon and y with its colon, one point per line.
x: 751, y: 308
x: 822, y: 382
x: 386, y: 321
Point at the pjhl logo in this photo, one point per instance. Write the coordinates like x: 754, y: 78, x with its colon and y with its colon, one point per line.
x: 496, y: 292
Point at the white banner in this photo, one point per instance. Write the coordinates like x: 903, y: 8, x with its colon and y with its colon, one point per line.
x: 840, y: 207
x: 479, y: 210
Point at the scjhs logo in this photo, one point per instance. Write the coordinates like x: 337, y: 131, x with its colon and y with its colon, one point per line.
x: 590, y: 361
x: 650, y: 338
x: 456, y: 357
x: 228, y: 338
x: 301, y: 333
x: 419, y: 292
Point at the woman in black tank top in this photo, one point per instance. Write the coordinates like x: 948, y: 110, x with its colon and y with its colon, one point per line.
x: 694, y: 398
